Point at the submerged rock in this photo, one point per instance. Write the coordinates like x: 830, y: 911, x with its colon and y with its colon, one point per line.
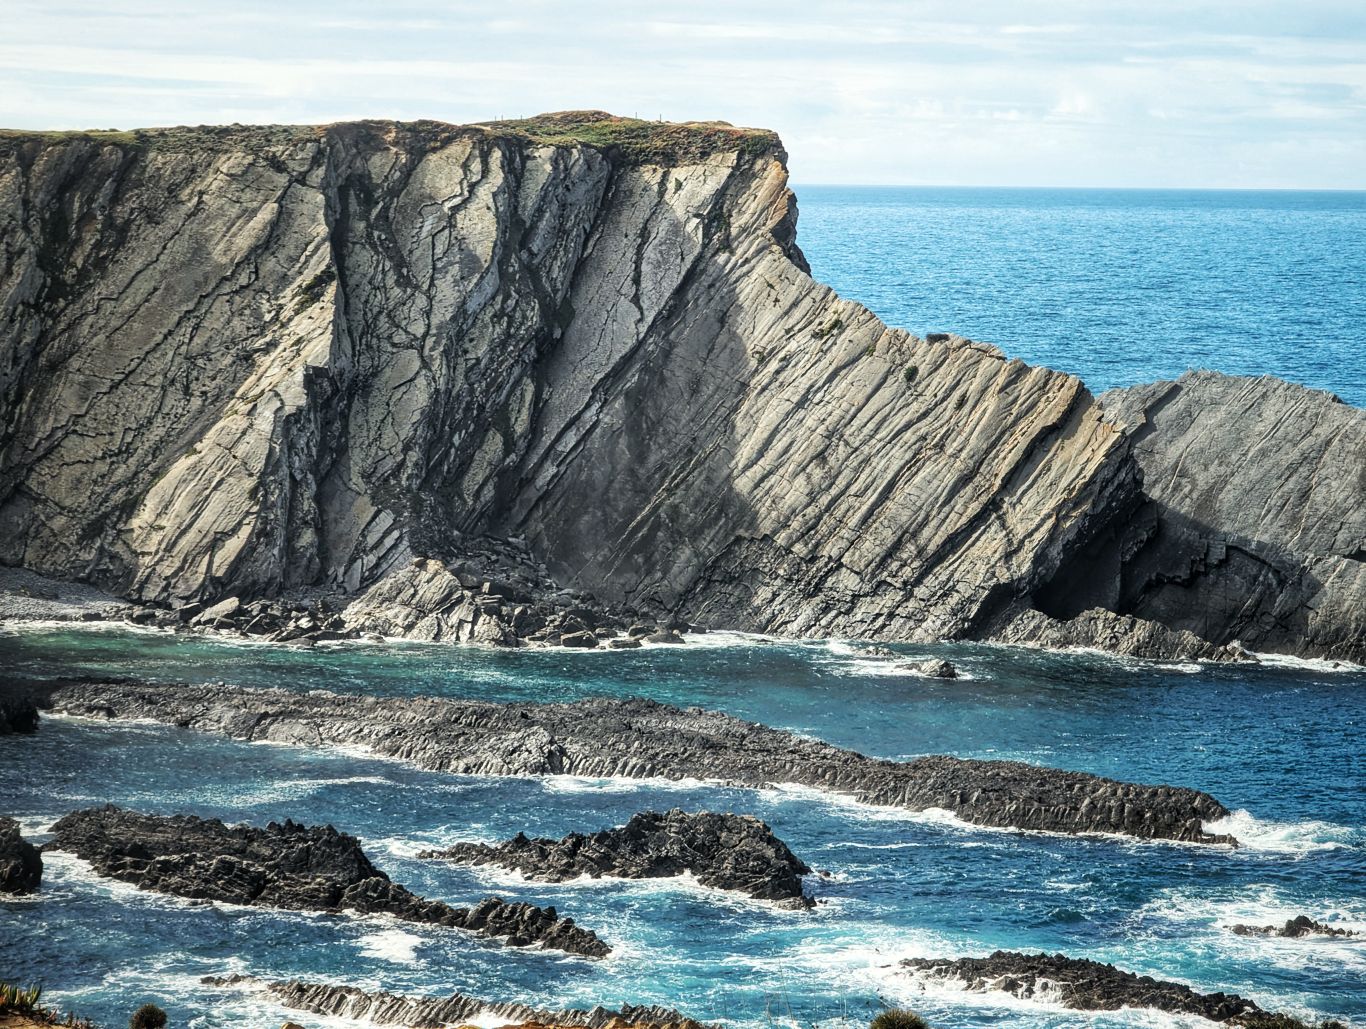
x: 642, y: 739
x: 724, y: 851
x: 290, y: 866
x: 21, y: 865
x: 1300, y: 925
x: 1086, y: 985
x: 380, y: 1008
x: 18, y: 708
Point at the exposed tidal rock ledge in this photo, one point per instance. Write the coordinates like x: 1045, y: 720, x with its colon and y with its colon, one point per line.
x: 642, y: 738
x: 724, y: 851
x: 301, y: 868
x: 381, y: 1008
x: 21, y: 865
x: 1085, y: 985
x: 1116, y: 634
x: 1300, y: 925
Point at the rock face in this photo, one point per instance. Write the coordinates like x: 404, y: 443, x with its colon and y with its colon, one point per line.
x: 642, y: 739
x: 314, y: 868
x: 1099, y: 629
x: 1300, y: 925
x: 458, y: 1009
x: 1091, y: 986
x: 241, y: 361
x: 1254, y: 525
x: 249, y: 361
x: 21, y: 865
x: 724, y: 851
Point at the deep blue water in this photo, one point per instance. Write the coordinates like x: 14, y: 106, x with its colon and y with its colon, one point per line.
x: 1280, y: 745
x: 1115, y: 286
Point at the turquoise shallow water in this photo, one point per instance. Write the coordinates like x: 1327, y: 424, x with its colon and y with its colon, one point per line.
x: 1280, y: 745
x: 1116, y: 286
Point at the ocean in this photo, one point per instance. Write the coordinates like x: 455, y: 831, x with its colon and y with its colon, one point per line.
x: 1119, y: 287
x: 1280, y: 745
x: 1115, y: 286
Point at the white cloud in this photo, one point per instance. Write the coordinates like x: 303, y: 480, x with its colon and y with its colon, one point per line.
x: 1255, y: 93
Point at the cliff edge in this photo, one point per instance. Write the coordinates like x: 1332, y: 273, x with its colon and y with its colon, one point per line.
x: 248, y: 360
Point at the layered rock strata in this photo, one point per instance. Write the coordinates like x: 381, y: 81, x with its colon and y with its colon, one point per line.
x: 723, y: 851
x: 379, y: 1008
x: 1085, y: 985
x: 290, y: 866
x: 21, y: 865
x: 642, y: 739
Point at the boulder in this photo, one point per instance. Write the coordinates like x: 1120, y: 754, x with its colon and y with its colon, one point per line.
x: 21, y: 865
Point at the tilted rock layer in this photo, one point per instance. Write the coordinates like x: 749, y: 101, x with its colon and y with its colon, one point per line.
x: 645, y: 739
x: 305, y: 868
x: 1086, y: 985
x: 728, y: 852
x: 243, y: 361
x: 379, y: 1008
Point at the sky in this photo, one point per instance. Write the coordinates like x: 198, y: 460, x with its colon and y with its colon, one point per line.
x: 1249, y: 94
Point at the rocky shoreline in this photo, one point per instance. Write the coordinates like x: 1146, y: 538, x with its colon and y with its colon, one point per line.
x: 643, y: 739
x: 1085, y: 985
x: 380, y: 1008
x: 288, y: 866
x: 723, y: 851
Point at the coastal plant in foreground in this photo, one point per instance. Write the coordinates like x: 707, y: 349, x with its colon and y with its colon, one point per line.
x: 19, y: 998
x: 149, y: 1016
x: 898, y: 1018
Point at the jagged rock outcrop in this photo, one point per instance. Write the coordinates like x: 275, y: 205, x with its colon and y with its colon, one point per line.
x: 18, y: 708
x: 1086, y: 985
x: 1300, y: 925
x: 1099, y: 629
x: 21, y: 865
x: 380, y: 1008
x: 1254, y: 522
x: 724, y: 851
x: 287, y: 865
x: 642, y: 739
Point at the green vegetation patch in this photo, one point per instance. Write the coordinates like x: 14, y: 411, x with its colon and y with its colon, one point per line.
x: 637, y: 141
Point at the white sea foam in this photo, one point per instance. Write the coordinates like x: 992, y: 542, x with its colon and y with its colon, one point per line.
x: 1297, y: 838
x: 393, y: 945
x: 1311, y: 664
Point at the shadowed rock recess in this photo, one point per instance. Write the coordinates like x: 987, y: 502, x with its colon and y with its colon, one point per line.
x: 381, y: 1008
x: 1086, y: 985
x: 313, y: 868
x: 645, y: 739
x: 21, y: 865
x: 244, y: 361
x: 728, y: 852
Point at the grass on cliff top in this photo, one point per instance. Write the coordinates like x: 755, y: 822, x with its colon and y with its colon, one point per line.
x: 636, y: 140
x: 629, y: 139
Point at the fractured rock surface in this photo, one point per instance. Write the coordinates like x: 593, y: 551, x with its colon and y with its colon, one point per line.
x: 1294, y: 928
x: 724, y: 851
x: 287, y: 865
x: 1086, y: 985
x: 640, y: 738
x: 380, y: 1008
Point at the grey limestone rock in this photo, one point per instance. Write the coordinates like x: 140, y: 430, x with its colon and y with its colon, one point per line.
x: 642, y: 739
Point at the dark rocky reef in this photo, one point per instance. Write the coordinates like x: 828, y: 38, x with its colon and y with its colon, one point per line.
x: 1086, y: 985
x: 18, y: 708
x: 1300, y: 925
x: 642, y: 738
x: 21, y: 865
x: 381, y: 1008
x: 724, y: 851
x: 291, y: 866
